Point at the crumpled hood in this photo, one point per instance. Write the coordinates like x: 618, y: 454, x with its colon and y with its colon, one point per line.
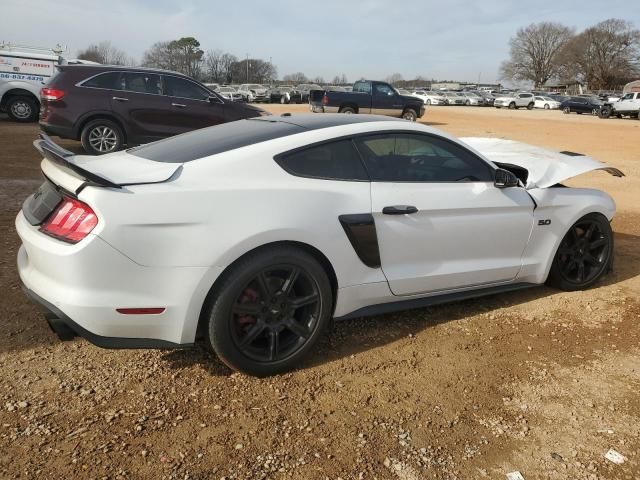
x: 546, y: 167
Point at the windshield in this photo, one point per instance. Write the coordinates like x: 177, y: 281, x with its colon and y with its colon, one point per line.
x: 254, y: 85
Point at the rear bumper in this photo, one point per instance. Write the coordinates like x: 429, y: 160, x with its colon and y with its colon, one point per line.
x: 57, y: 131
x: 80, y: 287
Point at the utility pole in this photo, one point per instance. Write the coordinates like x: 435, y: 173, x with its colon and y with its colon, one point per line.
x: 247, y: 68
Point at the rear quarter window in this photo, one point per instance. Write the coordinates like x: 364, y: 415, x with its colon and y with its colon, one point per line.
x: 103, y: 80
x: 338, y: 160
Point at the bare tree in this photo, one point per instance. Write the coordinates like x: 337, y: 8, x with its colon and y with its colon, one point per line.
x: 395, y: 78
x: 534, y: 52
x: 183, y: 55
x: 213, y: 66
x: 319, y: 80
x: 252, y: 70
x: 604, y: 56
x: 105, y: 53
x: 295, y: 78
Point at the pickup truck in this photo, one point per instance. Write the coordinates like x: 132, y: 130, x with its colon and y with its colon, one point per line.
x: 367, y: 97
x: 628, y: 105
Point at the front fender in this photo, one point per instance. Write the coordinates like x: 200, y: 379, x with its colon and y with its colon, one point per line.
x: 557, y: 209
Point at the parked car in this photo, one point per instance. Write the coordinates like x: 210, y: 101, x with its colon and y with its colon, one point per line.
x: 453, y: 98
x: 337, y: 211
x: 627, y: 106
x: 304, y: 90
x: 108, y: 107
x: 253, y: 92
x: 515, y: 100
x: 430, y: 97
x: 285, y: 94
x: 547, y: 103
x: 487, y: 97
x: 230, y: 93
x: 368, y: 97
x: 581, y: 105
x: 472, y: 98
x: 22, y: 74
x: 402, y: 91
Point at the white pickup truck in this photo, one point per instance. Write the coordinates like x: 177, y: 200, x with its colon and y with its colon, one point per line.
x: 627, y: 106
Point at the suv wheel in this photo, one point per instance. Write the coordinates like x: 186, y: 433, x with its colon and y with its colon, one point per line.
x: 269, y: 311
x: 410, y: 114
x: 22, y: 109
x: 605, y: 111
x: 102, y: 136
x: 512, y: 106
x: 530, y: 106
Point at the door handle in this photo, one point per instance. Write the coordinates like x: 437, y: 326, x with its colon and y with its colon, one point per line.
x: 399, y: 210
x: 179, y: 105
x: 120, y: 99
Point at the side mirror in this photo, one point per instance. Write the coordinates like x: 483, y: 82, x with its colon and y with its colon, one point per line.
x: 504, y: 179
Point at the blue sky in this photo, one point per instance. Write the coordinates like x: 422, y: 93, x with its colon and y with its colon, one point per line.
x: 453, y: 39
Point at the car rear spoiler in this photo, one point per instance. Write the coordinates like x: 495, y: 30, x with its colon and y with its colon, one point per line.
x: 55, y: 153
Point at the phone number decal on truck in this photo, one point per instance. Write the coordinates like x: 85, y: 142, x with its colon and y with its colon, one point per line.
x: 17, y: 76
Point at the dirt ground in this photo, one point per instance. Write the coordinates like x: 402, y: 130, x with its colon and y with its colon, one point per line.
x: 540, y: 381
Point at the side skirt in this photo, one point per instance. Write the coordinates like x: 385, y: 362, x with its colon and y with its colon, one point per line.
x: 412, y: 303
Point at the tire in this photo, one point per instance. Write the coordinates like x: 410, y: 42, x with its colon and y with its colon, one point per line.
x: 428, y: 102
x: 512, y: 106
x: 102, y: 136
x: 283, y: 100
x: 584, y: 255
x: 22, y: 109
x: 546, y: 106
x: 348, y: 110
x: 594, y: 111
x: 467, y: 103
x: 410, y: 114
x: 566, y: 110
x: 605, y: 111
x: 530, y: 106
x: 244, y: 340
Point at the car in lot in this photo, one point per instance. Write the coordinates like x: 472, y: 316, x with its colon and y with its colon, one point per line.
x: 627, y: 106
x: 515, y: 100
x: 229, y: 93
x: 368, y: 97
x: 305, y: 88
x: 108, y: 107
x: 253, y: 92
x: 452, y: 98
x: 581, y: 105
x: 284, y: 94
x: 146, y: 248
x: 429, y: 97
x: 547, y: 103
x: 472, y: 98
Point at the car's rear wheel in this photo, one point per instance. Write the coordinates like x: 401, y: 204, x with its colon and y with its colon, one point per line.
x: 512, y: 106
x: 584, y: 255
x: 546, y: 106
x: 594, y: 111
x: 102, y: 136
x: 348, y: 110
x: 530, y: 106
x: 269, y: 311
x: 22, y: 109
x: 410, y: 114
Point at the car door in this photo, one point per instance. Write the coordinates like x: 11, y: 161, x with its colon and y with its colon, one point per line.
x: 524, y: 99
x: 386, y: 101
x: 440, y: 221
x: 139, y: 103
x: 192, y: 106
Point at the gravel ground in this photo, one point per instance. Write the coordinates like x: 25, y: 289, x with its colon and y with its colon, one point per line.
x: 539, y: 381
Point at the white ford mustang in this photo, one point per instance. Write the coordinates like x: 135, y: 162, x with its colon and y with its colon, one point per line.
x: 254, y: 234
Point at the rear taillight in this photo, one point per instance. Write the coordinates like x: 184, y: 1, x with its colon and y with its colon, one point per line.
x: 51, y: 94
x: 325, y: 100
x: 71, y: 221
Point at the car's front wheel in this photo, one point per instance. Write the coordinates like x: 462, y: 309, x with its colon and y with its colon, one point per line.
x: 102, y: 136
x: 410, y: 114
x: 512, y: 106
x: 269, y: 311
x: 584, y: 255
x: 546, y: 106
x: 566, y: 110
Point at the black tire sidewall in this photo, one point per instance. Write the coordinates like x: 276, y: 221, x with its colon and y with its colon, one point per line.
x: 219, y: 328
x: 347, y: 110
x: 414, y: 115
x: 32, y: 104
x: 556, y: 279
x: 84, y: 137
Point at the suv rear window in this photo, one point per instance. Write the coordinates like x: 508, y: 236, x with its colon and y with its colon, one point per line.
x: 213, y: 140
x: 104, y: 80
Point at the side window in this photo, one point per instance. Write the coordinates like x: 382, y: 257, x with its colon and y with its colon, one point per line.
x: 420, y: 158
x: 179, y: 87
x: 362, y: 87
x: 336, y: 160
x: 141, y: 82
x: 383, y: 90
x: 104, y: 80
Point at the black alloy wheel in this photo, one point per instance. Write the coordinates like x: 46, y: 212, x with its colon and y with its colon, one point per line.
x: 584, y: 254
x: 270, y: 311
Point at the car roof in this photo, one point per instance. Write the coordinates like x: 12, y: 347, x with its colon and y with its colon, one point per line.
x: 111, y: 68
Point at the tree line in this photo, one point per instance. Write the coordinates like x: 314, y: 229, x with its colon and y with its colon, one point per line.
x: 184, y: 55
x: 604, y: 56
